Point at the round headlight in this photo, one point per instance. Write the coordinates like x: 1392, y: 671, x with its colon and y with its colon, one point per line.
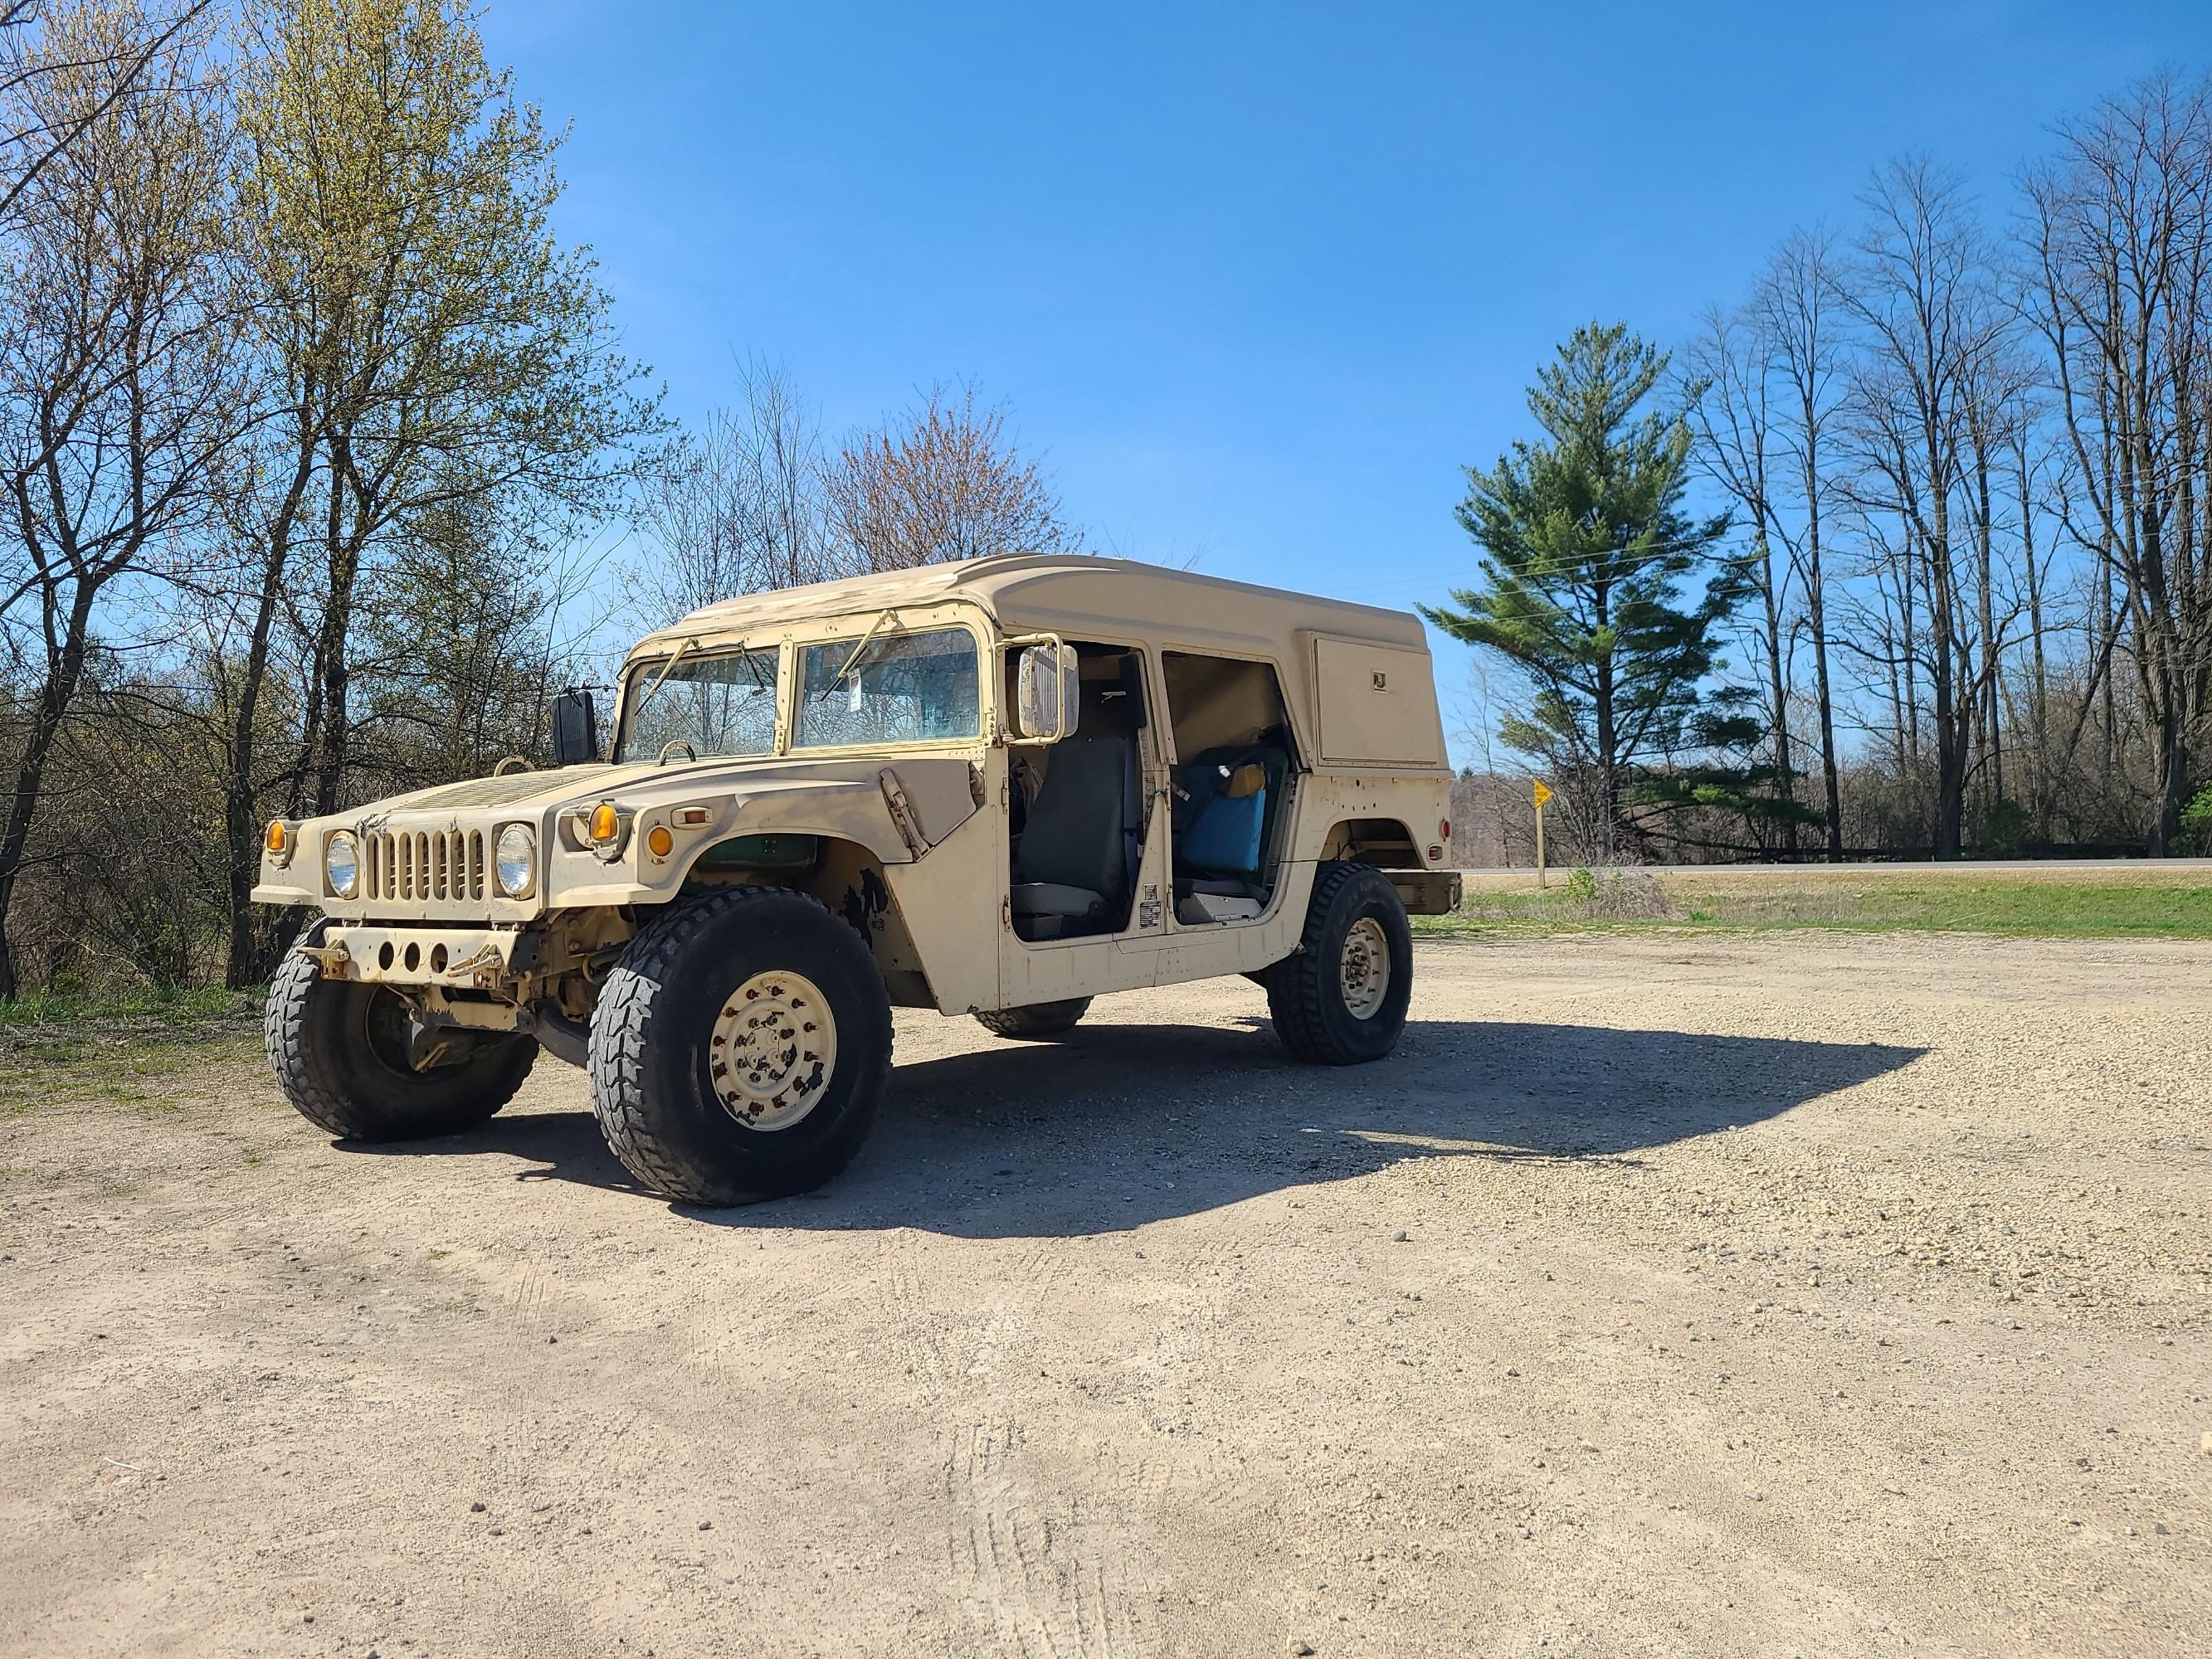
x: 342, y: 863
x: 518, y: 860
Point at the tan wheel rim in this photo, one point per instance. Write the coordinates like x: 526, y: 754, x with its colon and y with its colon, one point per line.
x: 1366, y: 967
x: 773, y: 1051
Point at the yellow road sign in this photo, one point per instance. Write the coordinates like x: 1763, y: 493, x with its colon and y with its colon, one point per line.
x: 1542, y: 792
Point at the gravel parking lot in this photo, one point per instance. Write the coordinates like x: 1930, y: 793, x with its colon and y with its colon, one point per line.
x: 1734, y: 1294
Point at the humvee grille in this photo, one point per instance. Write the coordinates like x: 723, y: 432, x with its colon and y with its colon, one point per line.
x: 410, y: 867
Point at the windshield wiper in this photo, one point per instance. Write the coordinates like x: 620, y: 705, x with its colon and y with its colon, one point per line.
x: 688, y: 644
x: 838, y: 678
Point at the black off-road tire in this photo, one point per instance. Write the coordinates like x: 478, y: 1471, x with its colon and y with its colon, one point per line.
x: 337, y: 1050
x: 1036, y: 1022
x: 1306, y: 992
x: 651, y: 1089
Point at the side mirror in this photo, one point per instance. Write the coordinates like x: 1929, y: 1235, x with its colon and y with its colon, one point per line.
x: 575, y: 728
x: 1047, y: 693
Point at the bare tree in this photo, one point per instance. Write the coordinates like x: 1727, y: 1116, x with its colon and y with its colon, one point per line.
x: 1730, y: 373
x: 1921, y: 296
x: 737, y: 506
x: 2121, y: 233
x: 942, y: 480
x: 116, y: 390
x: 1997, y: 411
x: 1795, y: 302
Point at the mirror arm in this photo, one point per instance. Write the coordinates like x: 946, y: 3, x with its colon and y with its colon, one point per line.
x: 1018, y: 648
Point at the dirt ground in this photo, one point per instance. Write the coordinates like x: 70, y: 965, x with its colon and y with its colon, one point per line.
x: 1763, y: 1295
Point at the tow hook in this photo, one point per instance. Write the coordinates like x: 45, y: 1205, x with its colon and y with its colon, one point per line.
x: 332, y: 959
x: 426, y: 1046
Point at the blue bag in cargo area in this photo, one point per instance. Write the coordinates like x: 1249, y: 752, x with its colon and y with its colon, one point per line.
x: 1218, y: 822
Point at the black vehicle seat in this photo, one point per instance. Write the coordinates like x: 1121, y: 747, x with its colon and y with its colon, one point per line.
x: 1071, y: 873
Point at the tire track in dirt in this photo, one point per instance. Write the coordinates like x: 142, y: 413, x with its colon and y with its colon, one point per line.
x: 1032, y: 1575
x: 1040, y: 1577
x: 1053, y: 1529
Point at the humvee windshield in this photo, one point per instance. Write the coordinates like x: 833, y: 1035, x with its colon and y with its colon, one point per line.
x: 897, y: 688
x: 721, y: 705
x: 893, y: 688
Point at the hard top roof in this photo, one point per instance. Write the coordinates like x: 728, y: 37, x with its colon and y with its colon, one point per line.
x: 1076, y: 594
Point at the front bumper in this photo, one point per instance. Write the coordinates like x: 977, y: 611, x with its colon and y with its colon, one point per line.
x: 478, y: 958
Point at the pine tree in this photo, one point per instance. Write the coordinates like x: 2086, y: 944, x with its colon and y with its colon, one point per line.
x: 1585, y: 545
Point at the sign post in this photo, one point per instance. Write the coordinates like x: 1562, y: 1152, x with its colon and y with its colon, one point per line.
x: 1541, y: 793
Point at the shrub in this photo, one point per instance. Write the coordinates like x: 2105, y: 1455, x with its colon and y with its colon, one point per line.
x: 1617, y: 896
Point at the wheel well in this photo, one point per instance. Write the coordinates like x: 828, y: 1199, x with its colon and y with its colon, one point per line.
x: 1386, y: 843
x: 846, y: 876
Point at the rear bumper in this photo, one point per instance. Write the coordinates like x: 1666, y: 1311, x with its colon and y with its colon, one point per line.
x: 472, y: 957
x: 1427, y: 892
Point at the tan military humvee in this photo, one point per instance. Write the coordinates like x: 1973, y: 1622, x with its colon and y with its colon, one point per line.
x: 999, y: 789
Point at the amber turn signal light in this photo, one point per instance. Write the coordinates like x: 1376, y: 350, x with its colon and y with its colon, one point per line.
x: 277, y: 838
x: 660, y: 840
x: 604, y: 825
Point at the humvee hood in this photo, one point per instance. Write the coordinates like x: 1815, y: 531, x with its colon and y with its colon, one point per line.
x: 530, y: 792
x: 894, y: 805
x: 511, y: 790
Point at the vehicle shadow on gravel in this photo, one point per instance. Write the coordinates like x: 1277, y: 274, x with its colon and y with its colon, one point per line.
x: 1113, y: 1125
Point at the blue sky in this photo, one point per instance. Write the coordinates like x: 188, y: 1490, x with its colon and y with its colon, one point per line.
x: 1259, y: 281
